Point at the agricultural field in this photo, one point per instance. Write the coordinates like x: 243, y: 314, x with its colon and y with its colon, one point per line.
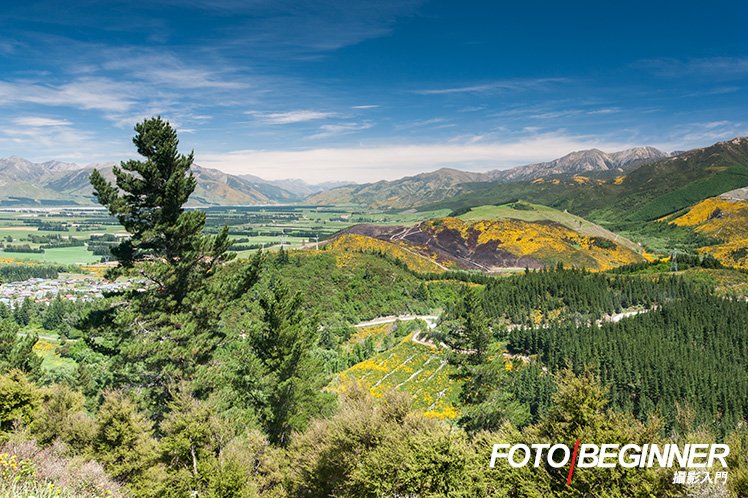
x: 82, y: 235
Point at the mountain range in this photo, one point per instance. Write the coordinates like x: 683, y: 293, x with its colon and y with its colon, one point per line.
x: 447, y: 183
x: 24, y: 183
x: 641, y: 183
x: 646, y: 192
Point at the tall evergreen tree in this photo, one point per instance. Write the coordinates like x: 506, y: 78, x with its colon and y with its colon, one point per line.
x: 166, y: 333
x: 16, y: 352
x: 471, y: 337
x: 148, y: 200
x: 274, y: 369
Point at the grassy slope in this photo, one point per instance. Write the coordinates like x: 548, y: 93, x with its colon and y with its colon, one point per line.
x: 535, y: 212
x: 422, y: 371
x: 362, y: 243
x: 647, y: 193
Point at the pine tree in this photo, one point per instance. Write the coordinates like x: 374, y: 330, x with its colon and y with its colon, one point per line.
x: 124, y: 440
x: 16, y: 352
x: 148, y: 200
x: 471, y: 338
x: 275, y: 370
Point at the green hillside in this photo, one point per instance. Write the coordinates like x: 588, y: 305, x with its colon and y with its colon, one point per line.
x: 527, y: 211
x: 417, y: 369
x: 647, y: 193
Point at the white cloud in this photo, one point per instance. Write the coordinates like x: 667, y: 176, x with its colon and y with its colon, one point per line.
x: 495, y: 86
x: 291, y: 117
x: 420, y: 123
x: 331, y: 130
x: 37, y: 121
x: 693, y: 135
x: 605, y: 110
x: 164, y: 69
x: 85, y: 93
x: 371, y: 106
x: 712, y: 67
x: 372, y: 163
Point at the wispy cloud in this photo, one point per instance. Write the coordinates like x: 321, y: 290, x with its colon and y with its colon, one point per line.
x: 713, y: 67
x: 698, y: 134
x: 37, y: 121
x: 369, y: 106
x: 84, y: 93
x: 421, y: 123
x: 41, y: 138
x: 167, y: 70
x: 605, y: 110
x: 495, y: 86
x: 291, y: 117
x: 331, y: 130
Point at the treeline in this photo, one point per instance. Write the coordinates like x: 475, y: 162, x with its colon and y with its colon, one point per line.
x: 690, y: 354
x: 24, y: 248
x: 545, y: 295
x: 683, y: 261
x: 21, y: 272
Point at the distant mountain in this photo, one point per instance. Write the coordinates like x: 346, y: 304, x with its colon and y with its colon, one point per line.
x: 582, y: 162
x: 297, y: 186
x: 24, y: 183
x: 443, y: 184
x: 647, y: 192
x: 407, y: 192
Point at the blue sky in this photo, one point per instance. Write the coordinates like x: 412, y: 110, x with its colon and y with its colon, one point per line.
x: 351, y: 90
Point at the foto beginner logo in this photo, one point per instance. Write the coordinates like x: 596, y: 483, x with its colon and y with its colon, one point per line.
x: 629, y: 456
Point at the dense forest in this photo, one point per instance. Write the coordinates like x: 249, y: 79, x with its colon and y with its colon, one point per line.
x: 691, y: 353
x: 212, y: 378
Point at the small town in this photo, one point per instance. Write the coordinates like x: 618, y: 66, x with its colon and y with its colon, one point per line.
x: 71, y: 287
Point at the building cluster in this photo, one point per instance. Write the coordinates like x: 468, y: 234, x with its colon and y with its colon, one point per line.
x: 43, y: 290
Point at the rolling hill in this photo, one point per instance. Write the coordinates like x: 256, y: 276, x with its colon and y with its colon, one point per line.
x: 725, y: 219
x: 408, y: 192
x: 445, y: 183
x: 649, y: 192
x: 24, y: 183
x: 492, y: 239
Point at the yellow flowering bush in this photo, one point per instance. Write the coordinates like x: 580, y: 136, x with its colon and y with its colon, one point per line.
x: 724, y: 220
x: 547, y: 242
x: 419, y: 370
x: 14, y: 470
x: 350, y: 242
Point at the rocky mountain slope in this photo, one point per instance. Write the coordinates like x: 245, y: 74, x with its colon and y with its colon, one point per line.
x: 581, y: 163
